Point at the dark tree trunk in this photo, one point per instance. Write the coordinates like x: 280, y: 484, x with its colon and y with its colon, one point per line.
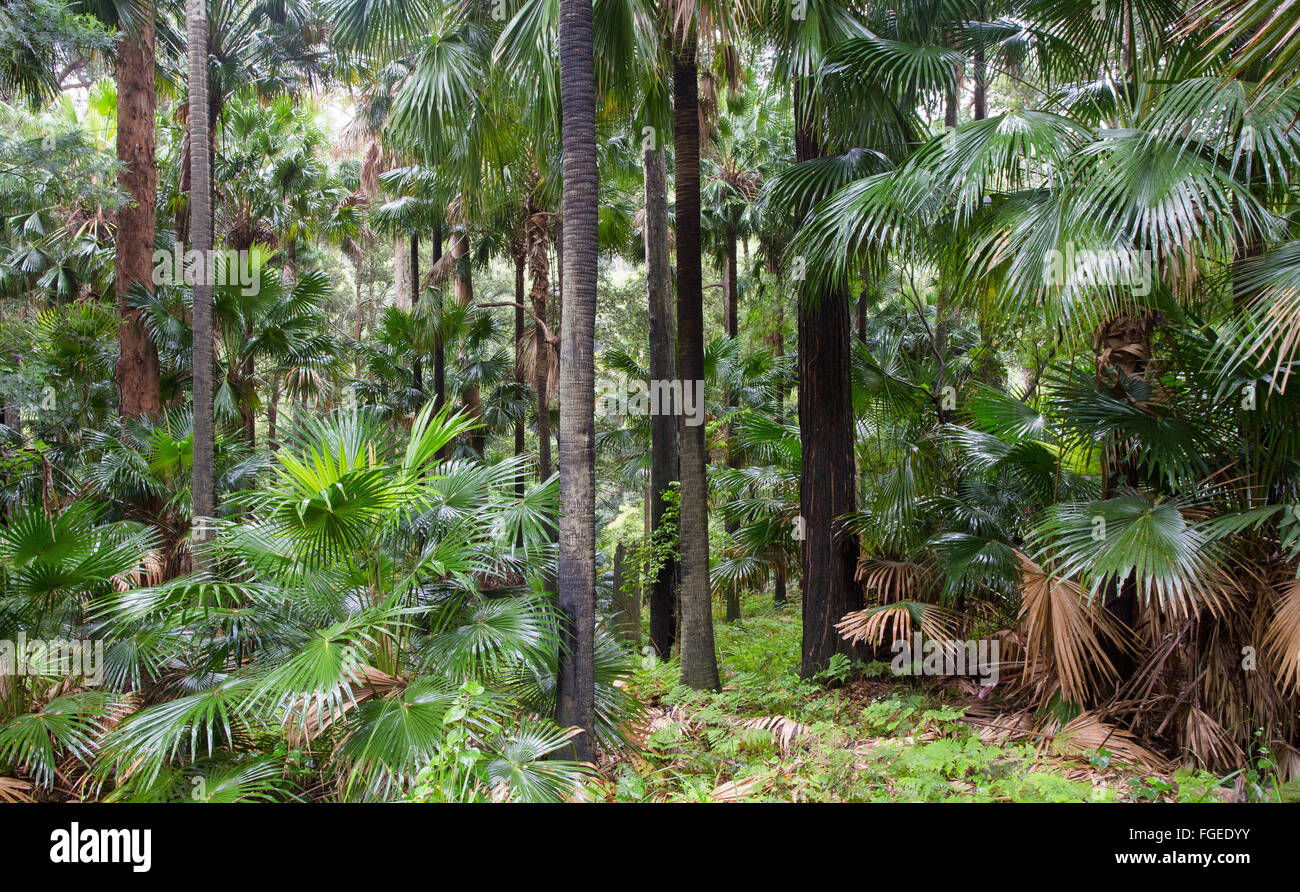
x: 731, y: 292
x: 137, y: 362
x: 417, y: 366
x: 626, y: 601
x: 539, y: 268
x: 778, y: 350
x: 981, y: 77
x: 272, y: 413
x: 827, y: 479
x: 521, y: 261
x: 439, y: 350
x: 663, y: 367
x: 699, y: 661
x: 575, y: 684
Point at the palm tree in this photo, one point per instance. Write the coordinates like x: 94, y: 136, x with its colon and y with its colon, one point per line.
x: 575, y: 697
x: 204, y: 486
x: 695, y: 600
x: 664, y: 461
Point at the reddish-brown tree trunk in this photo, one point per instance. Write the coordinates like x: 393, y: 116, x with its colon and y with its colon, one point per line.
x: 137, y: 362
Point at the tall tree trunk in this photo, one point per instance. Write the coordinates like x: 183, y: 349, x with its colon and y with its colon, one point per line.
x: 521, y: 262
x: 463, y: 287
x: 575, y: 684
x: 827, y: 479
x: 663, y: 367
x: 272, y: 413
x: 980, y: 109
x: 137, y: 370
x: 204, y: 483
x: 417, y: 364
x: 439, y: 348
x: 626, y: 601
x: 699, y: 661
x: 779, y: 571
x: 539, y: 268
x: 402, y: 273
x: 731, y: 293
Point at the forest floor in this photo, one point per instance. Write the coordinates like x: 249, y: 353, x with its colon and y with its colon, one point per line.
x: 771, y: 736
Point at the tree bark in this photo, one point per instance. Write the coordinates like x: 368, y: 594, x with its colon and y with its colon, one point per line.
x: 827, y: 479
x: 204, y: 481
x: 137, y: 369
x: 663, y: 367
x: 699, y: 661
x: 539, y: 268
x: 731, y: 293
x: 575, y: 684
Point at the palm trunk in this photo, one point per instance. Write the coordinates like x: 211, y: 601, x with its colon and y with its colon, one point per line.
x: 521, y: 261
x: 663, y: 367
x: 731, y: 293
x: 417, y: 366
x: 439, y: 349
x: 137, y: 362
x: 539, y: 268
x: 272, y: 413
x: 204, y: 484
x: 575, y: 683
x: 827, y: 481
x: 778, y: 350
x: 699, y: 661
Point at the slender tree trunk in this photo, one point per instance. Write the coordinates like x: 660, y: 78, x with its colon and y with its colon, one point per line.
x: 626, y: 601
x: 539, y: 268
x: 778, y: 350
x: 521, y: 261
x: 137, y: 362
x: 827, y: 481
x: 272, y: 413
x: 663, y: 367
x: 204, y: 483
x: 699, y: 661
x: 417, y: 364
x: 731, y: 291
x: 402, y: 273
x: 980, y: 110
x: 575, y: 684
x: 439, y: 348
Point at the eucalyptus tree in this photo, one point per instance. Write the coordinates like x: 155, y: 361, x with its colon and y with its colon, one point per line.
x: 137, y: 372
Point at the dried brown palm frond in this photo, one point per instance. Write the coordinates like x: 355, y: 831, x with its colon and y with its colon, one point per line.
x: 309, y: 718
x: 898, y: 580
x: 786, y: 731
x: 1287, y: 757
x: 896, y: 622
x: 1207, y: 740
x: 1088, y: 731
x: 1282, y: 637
x: 1066, y: 635
x: 736, y: 790
x: 13, y: 789
x: 148, y: 572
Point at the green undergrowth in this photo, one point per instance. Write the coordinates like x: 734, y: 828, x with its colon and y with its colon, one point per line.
x: 849, y: 735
